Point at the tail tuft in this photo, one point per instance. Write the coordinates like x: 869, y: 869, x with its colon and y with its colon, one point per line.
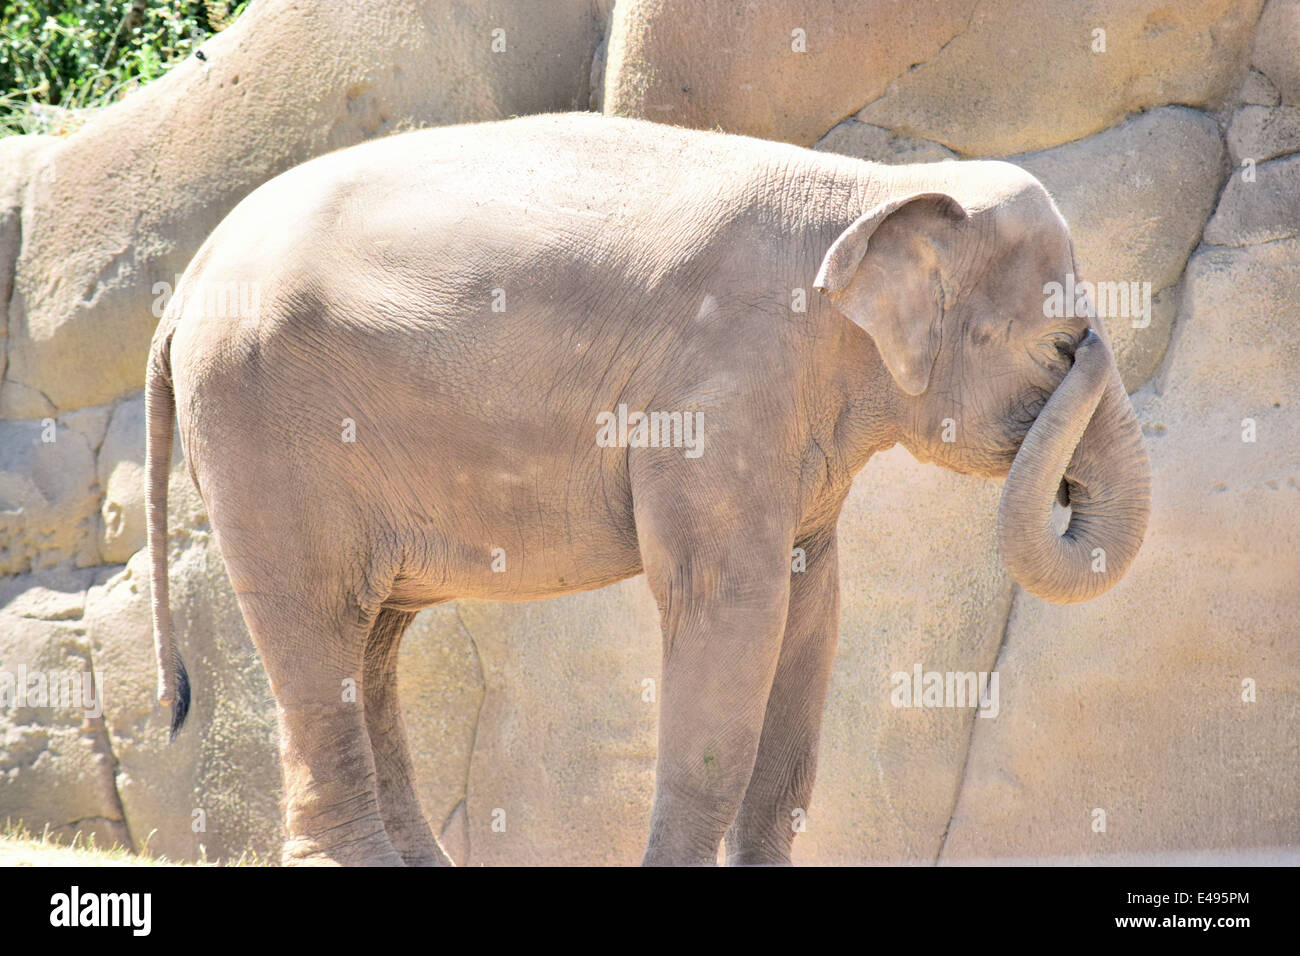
x: 181, y: 708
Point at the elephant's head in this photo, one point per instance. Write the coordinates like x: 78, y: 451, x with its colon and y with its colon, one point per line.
x: 951, y: 284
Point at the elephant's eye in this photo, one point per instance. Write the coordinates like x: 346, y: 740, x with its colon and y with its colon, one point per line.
x: 1065, y: 347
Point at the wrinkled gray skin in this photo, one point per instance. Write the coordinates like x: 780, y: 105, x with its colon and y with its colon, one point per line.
x: 642, y: 265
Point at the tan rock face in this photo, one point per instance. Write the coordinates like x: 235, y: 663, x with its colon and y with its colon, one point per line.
x: 1276, y: 40
x: 1259, y: 134
x: 47, y: 497
x: 940, y: 71
x: 1139, y: 703
x: 787, y: 71
x: 1258, y: 90
x: 19, y: 155
x: 1259, y: 205
x: 90, y: 423
x: 1027, y: 74
x: 120, y: 466
x: 19, y: 401
x: 55, y: 765
x: 122, y: 205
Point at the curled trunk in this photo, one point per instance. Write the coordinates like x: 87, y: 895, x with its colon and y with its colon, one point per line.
x: 1088, y: 436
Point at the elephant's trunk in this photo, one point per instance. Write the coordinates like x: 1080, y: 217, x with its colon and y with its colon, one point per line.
x: 1087, y: 434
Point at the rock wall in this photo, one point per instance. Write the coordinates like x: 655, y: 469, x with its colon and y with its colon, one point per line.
x: 1156, y: 722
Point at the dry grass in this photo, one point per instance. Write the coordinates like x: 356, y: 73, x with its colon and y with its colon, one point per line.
x: 19, y: 847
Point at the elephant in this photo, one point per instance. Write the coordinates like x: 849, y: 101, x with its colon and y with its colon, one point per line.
x: 519, y: 359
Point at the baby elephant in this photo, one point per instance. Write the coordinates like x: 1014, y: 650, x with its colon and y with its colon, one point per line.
x: 520, y: 359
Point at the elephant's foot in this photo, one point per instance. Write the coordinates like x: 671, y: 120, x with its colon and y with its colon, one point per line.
x: 332, y: 812
x: 374, y: 850
x: 691, y: 839
x: 429, y: 859
x: 415, y: 841
x: 760, y: 836
x: 757, y: 856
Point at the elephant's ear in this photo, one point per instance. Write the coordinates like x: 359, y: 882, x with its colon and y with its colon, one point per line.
x: 900, y: 308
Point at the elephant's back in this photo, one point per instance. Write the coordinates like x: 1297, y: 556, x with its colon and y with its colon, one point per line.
x: 548, y: 202
x: 573, y: 171
x: 448, y: 250
x: 576, y: 157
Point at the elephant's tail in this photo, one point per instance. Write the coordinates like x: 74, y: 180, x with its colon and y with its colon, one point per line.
x: 159, y: 402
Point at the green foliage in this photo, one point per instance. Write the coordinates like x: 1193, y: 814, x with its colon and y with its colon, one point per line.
x: 61, y: 56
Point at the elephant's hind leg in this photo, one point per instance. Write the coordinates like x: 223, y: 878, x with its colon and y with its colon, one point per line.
x: 314, y: 659
x: 403, y: 818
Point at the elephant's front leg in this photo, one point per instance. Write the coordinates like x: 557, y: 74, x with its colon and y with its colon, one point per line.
x: 776, y: 801
x: 722, y: 597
